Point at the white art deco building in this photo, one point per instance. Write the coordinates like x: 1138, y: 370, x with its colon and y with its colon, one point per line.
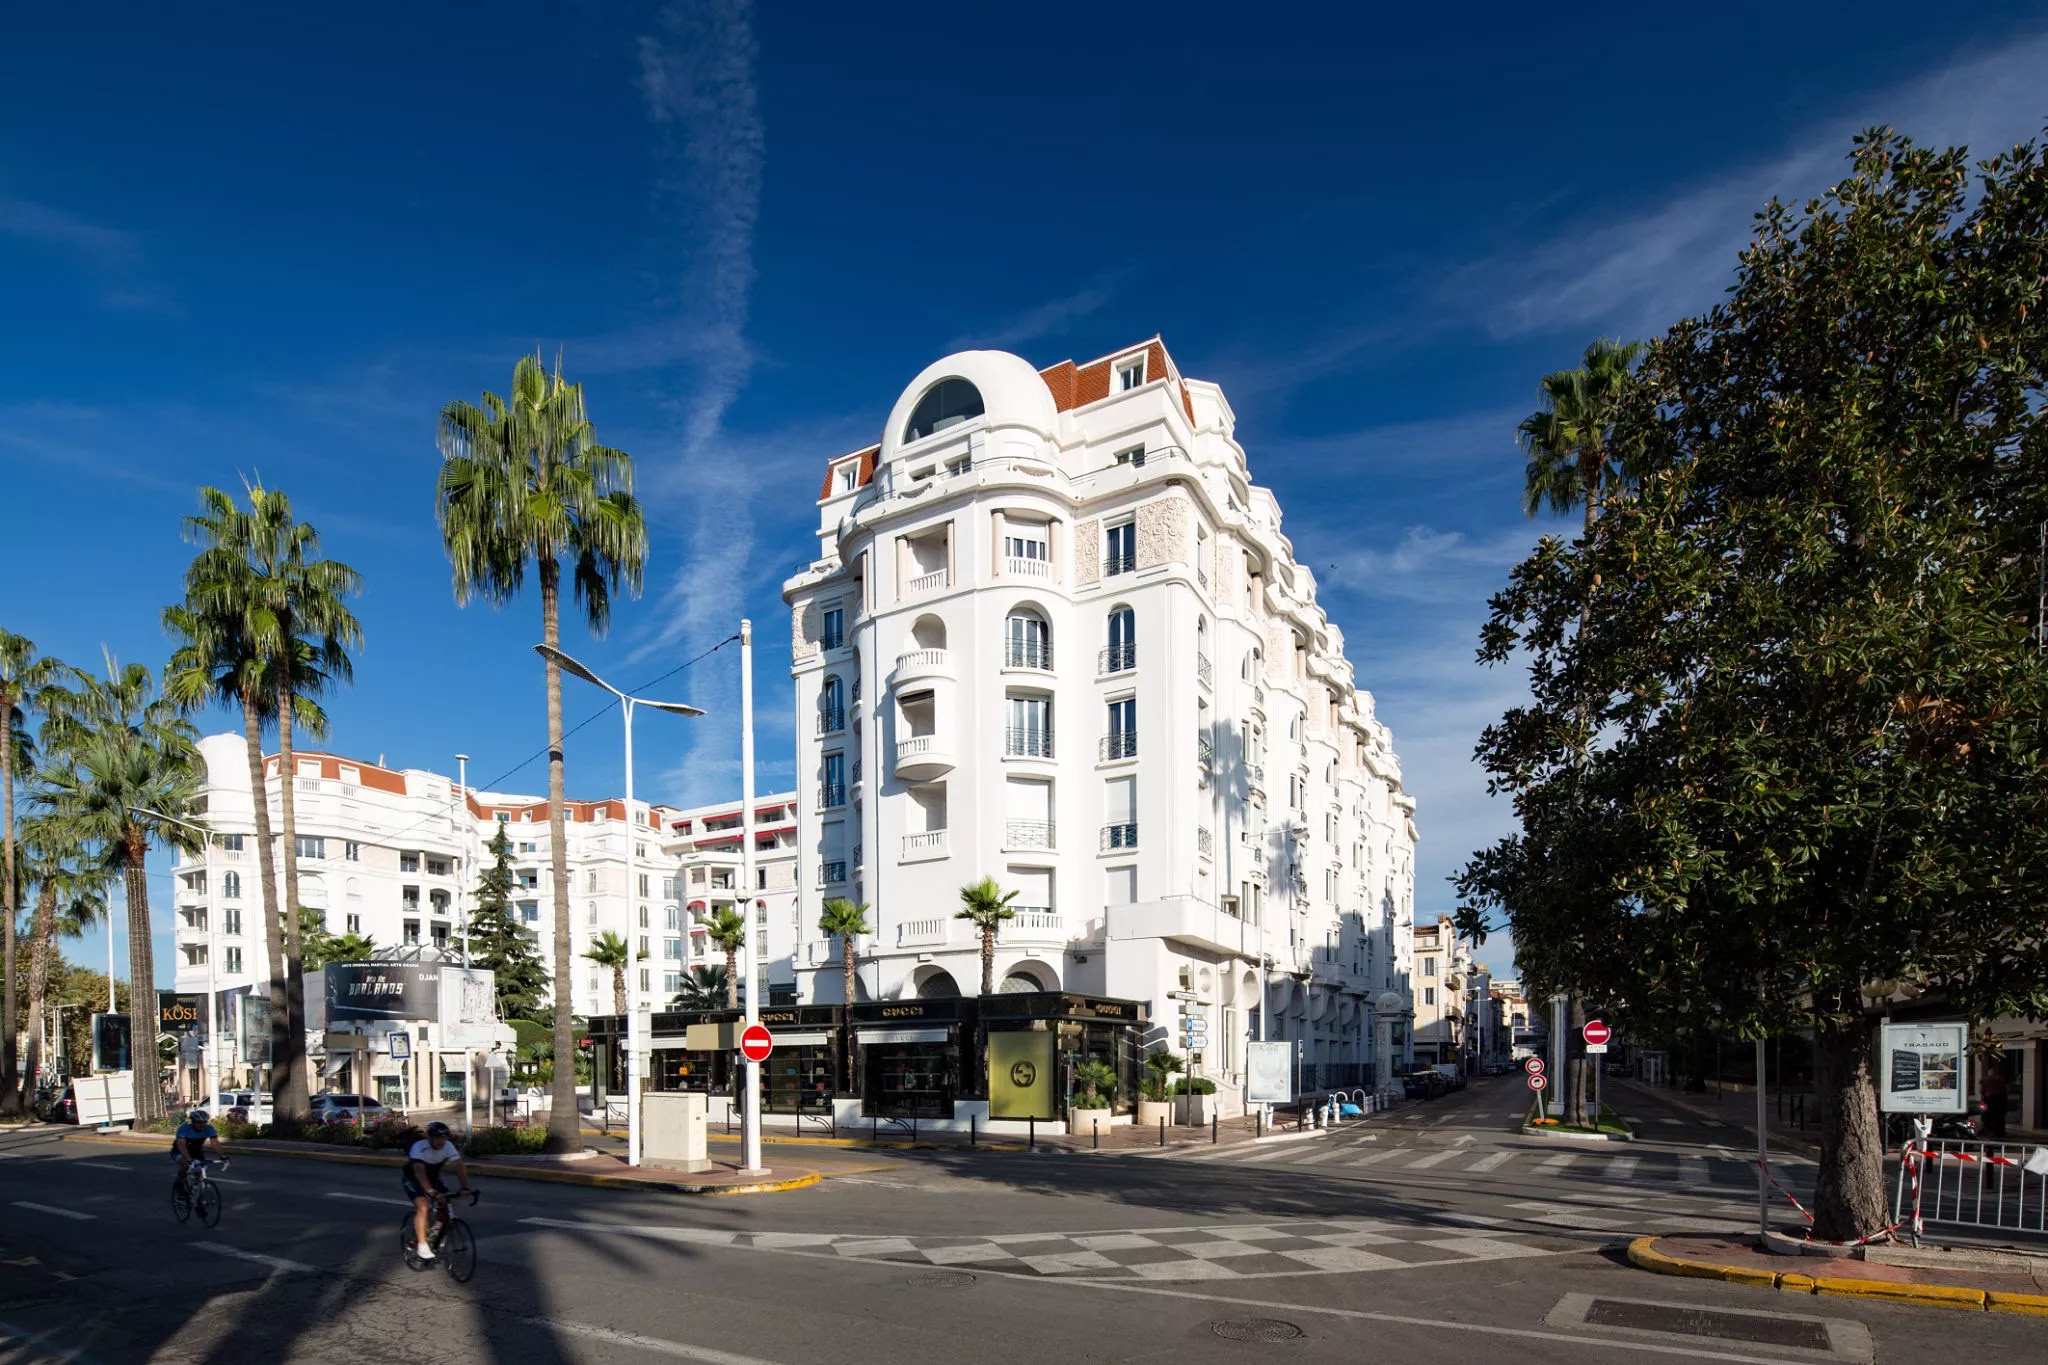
x: 1054, y: 635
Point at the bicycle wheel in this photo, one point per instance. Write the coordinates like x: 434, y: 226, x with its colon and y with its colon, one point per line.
x: 209, y: 1204
x: 409, y: 1245
x: 458, y: 1251
x: 181, y: 1203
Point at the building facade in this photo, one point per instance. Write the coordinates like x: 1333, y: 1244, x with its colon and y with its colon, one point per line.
x: 1054, y: 635
x: 702, y: 850
x: 1444, y: 1009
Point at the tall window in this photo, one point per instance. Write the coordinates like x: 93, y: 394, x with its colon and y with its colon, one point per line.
x: 1122, y: 652
x: 231, y: 885
x: 1030, y: 729
x: 1029, y: 641
x: 835, y: 627
x: 1122, y: 739
x: 234, y: 960
x: 832, y: 706
x: 1120, y: 554
x: 832, y: 791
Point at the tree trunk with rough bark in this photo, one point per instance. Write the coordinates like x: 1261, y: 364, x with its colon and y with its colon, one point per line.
x: 41, y: 934
x: 988, y: 961
x: 846, y: 964
x: 732, y: 978
x: 565, y: 1125
x: 10, y: 1084
x: 288, y: 1068
x: 1577, y: 1067
x: 266, y: 876
x: 1848, y: 1188
x: 142, y: 1015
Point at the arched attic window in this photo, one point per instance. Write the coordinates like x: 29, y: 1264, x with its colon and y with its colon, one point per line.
x: 945, y: 404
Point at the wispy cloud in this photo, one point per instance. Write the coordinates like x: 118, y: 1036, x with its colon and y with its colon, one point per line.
x: 113, y: 256
x: 1051, y: 318
x: 1640, y: 269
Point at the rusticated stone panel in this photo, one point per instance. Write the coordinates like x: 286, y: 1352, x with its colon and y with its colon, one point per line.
x: 806, y: 629
x: 1163, y: 532
x: 1088, y: 551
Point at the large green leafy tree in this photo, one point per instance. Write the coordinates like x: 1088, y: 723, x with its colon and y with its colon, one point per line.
x: 23, y: 674
x: 986, y: 906
x: 500, y: 943
x: 137, y: 779
x: 524, y: 478
x: 1783, y: 749
x: 265, y: 613
x: 1573, y: 464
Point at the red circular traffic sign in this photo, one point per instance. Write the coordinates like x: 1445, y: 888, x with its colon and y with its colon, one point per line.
x: 1537, y: 1080
x: 756, y: 1043
x: 1534, y: 1066
x: 1596, y: 1032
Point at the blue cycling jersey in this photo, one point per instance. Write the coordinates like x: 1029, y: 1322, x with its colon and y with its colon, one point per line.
x: 191, y: 1139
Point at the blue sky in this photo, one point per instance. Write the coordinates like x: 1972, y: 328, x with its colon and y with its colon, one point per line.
x: 253, y: 241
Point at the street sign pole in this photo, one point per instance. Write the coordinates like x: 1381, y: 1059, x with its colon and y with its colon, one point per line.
x: 1763, y: 1149
x: 749, y: 953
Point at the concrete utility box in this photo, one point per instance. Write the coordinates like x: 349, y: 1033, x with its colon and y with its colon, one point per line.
x: 675, y: 1129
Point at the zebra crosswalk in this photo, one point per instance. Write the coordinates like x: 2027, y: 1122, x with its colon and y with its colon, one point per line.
x: 1336, y: 1156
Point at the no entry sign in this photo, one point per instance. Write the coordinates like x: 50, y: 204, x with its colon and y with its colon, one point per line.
x: 1597, y: 1033
x: 1537, y: 1080
x: 756, y: 1043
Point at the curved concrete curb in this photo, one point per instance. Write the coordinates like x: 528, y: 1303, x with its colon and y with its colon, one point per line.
x: 1643, y: 1253
x: 1554, y: 1135
x: 487, y: 1167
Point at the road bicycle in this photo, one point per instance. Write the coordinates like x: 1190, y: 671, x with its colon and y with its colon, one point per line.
x: 198, y: 1193
x: 453, y: 1244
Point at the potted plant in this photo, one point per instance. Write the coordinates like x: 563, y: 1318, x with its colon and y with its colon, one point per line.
x: 1094, y: 1089
x: 1197, y: 1099
x: 1154, y: 1103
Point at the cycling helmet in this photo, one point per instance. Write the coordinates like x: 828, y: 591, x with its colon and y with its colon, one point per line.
x: 197, y: 1116
x: 437, y: 1129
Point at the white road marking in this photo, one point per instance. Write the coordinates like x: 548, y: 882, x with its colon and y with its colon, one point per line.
x: 1621, y: 1168
x: 1433, y: 1159
x: 257, y: 1258
x: 106, y: 1166
x: 1558, y: 1162
x: 1461, y: 1139
x: 1264, y: 1156
x: 1319, y: 1157
x: 371, y: 1198
x: 681, y: 1350
x: 1692, y: 1170
x: 50, y: 1208
x: 10, y: 1332
x: 1490, y: 1163
x: 1381, y: 1155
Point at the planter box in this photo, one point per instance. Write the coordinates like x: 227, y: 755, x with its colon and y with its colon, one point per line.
x: 1082, y: 1122
x: 1151, y: 1111
x: 1195, y: 1109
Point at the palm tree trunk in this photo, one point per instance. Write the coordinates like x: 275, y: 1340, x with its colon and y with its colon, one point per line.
x: 41, y: 934
x: 10, y: 1086
x: 142, y: 1015
x: 266, y: 876
x: 619, y: 990
x: 988, y: 960
x: 288, y: 1068
x: 732, y: 978
x: 846, y: 963
x: 565, y: 1125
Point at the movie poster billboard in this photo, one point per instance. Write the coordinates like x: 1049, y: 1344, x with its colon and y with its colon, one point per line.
x: 382, y: 992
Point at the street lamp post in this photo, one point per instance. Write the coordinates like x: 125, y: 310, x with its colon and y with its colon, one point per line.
x: 634, y: 1041
x: 211, y: 1052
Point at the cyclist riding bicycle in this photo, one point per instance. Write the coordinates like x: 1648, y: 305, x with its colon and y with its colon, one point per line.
x: 195, y: 1136
x: 423, y: 1173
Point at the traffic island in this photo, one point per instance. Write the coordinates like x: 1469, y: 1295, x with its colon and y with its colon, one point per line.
x: 1997, y: 1282
x: 1611, y: 1127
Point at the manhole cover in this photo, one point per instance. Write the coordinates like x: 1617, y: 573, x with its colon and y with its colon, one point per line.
x: 941, y: 1279
x: 1705, y: 1322
x: 1256, y: 1329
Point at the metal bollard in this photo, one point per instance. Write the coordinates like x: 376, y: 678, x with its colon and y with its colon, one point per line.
x: 1031, y: 1143
x: 1095, y: 1131
x: 1162, y: 1132
x: 973, y: 1127
x: 1212, y: 1130
x: 1259, y: 1123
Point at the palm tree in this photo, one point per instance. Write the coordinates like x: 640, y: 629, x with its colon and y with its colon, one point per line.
x: 22, y: 674
x: 848, y: 920
x: 70, y: 894
x: 727, y: 930
x: 1573, y: 464
x: 704, y: 988
x: 523, y: 480
x: 609, y: 950
x: 135, y: 761
x: 985, y: 905
x: 266, y: 612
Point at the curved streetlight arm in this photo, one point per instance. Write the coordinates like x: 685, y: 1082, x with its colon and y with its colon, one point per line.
x: 568, y: 664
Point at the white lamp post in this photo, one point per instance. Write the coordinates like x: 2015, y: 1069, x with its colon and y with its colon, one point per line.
x: 634, y: 1042
x: 211, y: 1052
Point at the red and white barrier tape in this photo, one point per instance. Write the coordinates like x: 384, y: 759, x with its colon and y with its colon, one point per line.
x: 1914, y: 1155
x: 1854, y: 1242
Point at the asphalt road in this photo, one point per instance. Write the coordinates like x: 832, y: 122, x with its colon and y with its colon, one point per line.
x: 1435, y: 1233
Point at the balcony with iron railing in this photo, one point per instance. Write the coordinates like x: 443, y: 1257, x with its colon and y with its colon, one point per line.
x: 1205, y: 841
x: 832, y: 873
x: 1117, y: 658
x: 1119, y: 744
x: 1206, y: 673
x: 831, y: 795
x: 1120, y: 836
x: 1027, y: 742
x: 1029, y: 834
x: 831, y: 722
x: 1114, y: 563
x: 1031, y: 654
x: 931, y: 844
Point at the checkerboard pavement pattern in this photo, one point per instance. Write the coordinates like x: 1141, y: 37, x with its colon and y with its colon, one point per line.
x: 1216, y: 1252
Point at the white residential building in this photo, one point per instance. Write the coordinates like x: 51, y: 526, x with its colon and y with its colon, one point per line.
x: 394, y: 856
x: 1054, y: 635
x: 701, y: 852
x: 1444, y: 974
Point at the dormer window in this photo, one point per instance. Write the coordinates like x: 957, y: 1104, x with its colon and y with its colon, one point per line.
x: 849, y: 474
x: 1130, y: 374
x: 947, y: 403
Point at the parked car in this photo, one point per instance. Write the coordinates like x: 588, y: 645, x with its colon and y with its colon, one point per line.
x: 329, y: 1108
x: 243, y: 1106
x: 61, y: 1106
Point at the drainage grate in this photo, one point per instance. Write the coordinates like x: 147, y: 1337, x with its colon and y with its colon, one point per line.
x: 941, y: 1279
x: 1705, y: 1322
x: 1256, y: 1329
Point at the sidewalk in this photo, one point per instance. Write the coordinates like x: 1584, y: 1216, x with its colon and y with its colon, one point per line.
x: 1999, y: 1282
x: 600, y: 1170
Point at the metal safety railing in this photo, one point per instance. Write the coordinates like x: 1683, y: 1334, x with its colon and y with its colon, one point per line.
x: 1996, y: 1185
